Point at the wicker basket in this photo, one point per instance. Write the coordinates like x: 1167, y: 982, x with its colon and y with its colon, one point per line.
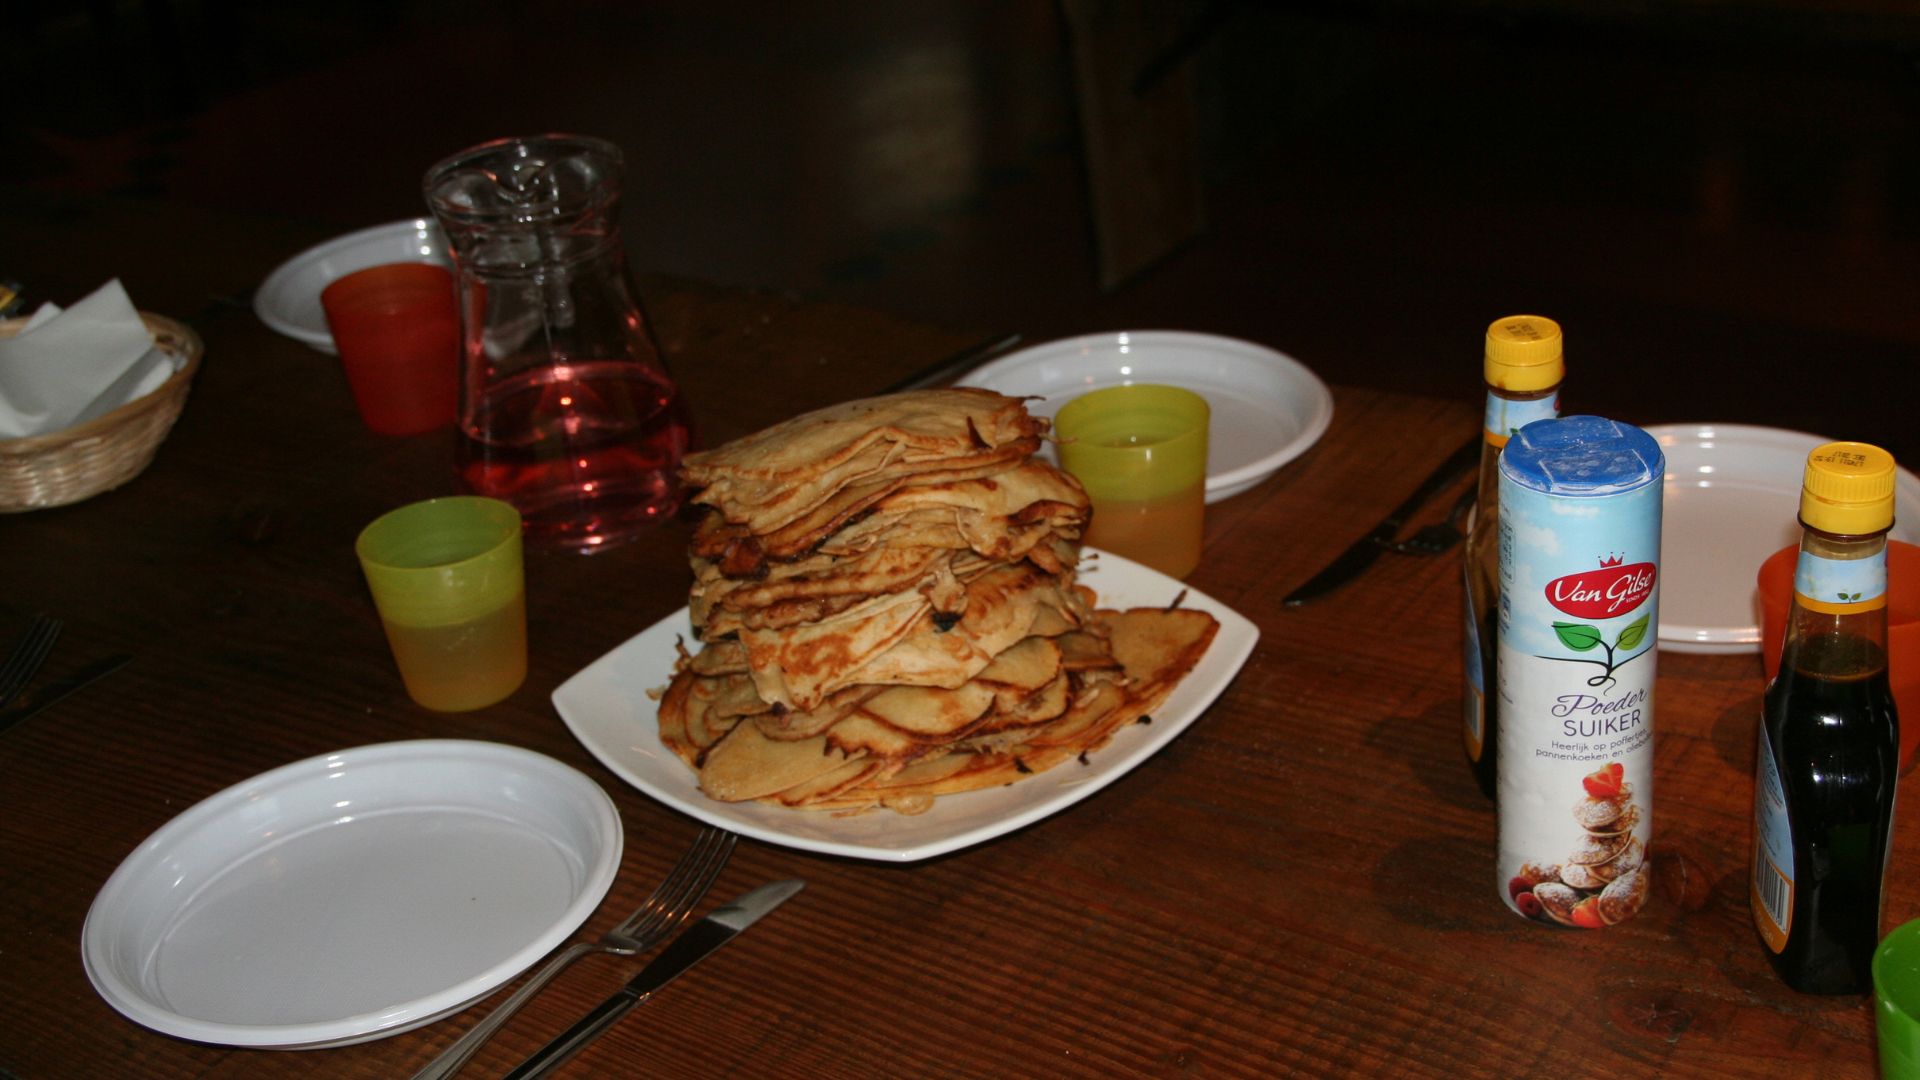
x: 84, y: 460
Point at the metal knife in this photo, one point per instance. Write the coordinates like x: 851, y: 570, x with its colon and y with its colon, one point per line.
x: 1368, y: 548
x: 954, y: 366
x: 60, y: 688
x: 692, y: 946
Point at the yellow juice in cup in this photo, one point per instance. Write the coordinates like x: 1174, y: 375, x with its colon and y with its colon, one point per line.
x: 446, y: 578
x: 1141, y: 453
x: 467, y: 665
x: 1163, y: 533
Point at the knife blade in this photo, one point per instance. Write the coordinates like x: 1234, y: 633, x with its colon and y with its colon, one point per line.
x: 60, y: 688
x: 954, y: 366
x: 1361, y: 554
x: 693, y: 945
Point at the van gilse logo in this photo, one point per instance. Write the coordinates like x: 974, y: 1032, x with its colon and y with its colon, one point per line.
x: 1606, y: 593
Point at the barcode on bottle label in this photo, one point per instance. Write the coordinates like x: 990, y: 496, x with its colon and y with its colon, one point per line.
x: 1773, y: 892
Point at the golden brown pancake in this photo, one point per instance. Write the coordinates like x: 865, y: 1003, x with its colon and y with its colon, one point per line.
x: 773, y: 478
x: 887, y: 595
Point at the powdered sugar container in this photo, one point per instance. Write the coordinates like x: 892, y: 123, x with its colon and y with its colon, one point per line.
x: 1579, y: 619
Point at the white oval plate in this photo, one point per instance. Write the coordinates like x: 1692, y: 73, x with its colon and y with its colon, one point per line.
x: 609, y: 710
x: 1267, y: 407
x: 1732, y: 498
x: 353, y: 895
x: 288, y: 301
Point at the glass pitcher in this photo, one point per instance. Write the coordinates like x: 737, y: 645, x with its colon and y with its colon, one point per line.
x: 566, y: 410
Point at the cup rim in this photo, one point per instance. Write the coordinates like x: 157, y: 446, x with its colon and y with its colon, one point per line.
x: 412, y: 277
x: 1143, y: 472
x: 501, y: 515
x: 1905, y: 937
x: 1178, y: 396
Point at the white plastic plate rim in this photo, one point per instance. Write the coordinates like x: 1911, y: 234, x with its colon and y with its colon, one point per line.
x: 125, y: 895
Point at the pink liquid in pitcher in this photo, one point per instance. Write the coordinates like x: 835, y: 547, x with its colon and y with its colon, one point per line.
x: 586, y: 451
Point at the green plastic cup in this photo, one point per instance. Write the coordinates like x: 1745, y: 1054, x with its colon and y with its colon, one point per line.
x: 1141, y: 453
x: 446, y: 576
x: 1896, y: 1001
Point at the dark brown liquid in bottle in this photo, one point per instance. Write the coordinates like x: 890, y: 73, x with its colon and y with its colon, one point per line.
x: 1835, y: 740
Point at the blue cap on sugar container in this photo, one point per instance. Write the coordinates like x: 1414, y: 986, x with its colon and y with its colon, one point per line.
x: 1583, y: 457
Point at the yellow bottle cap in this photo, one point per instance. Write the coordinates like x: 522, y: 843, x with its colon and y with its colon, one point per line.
x: 1523, y: 353
x: 1848, y: 489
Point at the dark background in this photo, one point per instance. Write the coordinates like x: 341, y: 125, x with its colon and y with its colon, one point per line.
x: 1718, y: 199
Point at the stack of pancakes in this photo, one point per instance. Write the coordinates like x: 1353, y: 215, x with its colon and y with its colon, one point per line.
x: 885, y: 592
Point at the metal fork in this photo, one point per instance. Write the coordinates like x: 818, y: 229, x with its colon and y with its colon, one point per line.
x: 28, y: 654
x: 657, y: 916
x: 1441, y: 535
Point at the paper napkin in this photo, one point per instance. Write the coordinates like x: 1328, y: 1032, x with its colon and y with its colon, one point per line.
x: 67, y: 367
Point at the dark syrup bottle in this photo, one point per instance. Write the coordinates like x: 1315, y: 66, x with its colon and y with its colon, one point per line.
x: 1523, y: 367
x: 1828, y: 755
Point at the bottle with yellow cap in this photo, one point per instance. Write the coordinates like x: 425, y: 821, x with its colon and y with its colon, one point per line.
x: 1827, y: 763
x: 1523, y: 367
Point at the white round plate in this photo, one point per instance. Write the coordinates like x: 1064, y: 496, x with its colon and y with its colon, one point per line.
x: 352, y: 896
x: 1732, y: 498
x: 288, y: 301
x: 1267, y: 407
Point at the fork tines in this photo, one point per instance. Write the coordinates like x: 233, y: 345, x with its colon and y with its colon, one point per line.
x: 684, y: 886
x: 23, y: 663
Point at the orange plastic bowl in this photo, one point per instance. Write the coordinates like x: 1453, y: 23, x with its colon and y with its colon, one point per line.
x: 1903, y: 628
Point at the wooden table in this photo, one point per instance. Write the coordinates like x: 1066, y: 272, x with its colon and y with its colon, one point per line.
x: 1302, y: 882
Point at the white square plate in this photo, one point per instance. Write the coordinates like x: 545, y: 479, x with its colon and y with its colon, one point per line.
x: 608, y: 709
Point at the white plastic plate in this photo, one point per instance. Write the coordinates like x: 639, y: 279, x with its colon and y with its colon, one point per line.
x: 1732, y: 498
x: 353, y: 895
x: 288, y: 300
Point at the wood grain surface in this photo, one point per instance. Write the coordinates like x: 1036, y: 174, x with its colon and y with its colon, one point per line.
x: 1302, y: 883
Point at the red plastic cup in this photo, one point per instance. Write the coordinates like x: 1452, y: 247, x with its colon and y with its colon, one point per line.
x: 398, y: 332
x: 1903, y: 629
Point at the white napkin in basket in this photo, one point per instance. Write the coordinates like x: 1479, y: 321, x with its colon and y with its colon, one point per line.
x: 67, y: 367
